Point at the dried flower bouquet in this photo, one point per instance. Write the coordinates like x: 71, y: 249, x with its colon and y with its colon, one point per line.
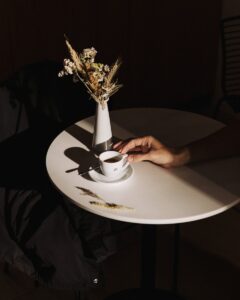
x: 97, y: 77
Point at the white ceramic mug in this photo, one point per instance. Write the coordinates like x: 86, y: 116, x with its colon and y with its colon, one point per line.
x: 112, y: 163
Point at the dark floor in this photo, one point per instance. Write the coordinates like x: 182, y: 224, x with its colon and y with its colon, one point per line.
x: 201, y: 275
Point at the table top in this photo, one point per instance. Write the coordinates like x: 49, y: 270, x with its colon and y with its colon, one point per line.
x: 152, y: 195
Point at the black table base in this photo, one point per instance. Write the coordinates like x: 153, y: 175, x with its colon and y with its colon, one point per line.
x: 147, y: 290
x: 142, y: 294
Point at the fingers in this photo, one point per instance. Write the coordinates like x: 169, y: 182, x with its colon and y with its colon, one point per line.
x: 117, y: 145
x: 142, y: 148
x: 137, y: 144
x: 132, y: 145
x: 151, y: 149
x: 138, y: 157
x: 131, y: 157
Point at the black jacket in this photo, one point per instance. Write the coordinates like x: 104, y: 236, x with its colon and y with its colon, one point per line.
x: 41, y: 233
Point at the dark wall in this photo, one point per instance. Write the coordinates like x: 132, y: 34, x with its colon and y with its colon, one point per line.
x: 168, y: 48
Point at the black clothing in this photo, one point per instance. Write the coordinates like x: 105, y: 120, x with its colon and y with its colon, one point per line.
x: 41, y: 232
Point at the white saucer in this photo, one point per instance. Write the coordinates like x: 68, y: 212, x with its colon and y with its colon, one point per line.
x: 97, y: 176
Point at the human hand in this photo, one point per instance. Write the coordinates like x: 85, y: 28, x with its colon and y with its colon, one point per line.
x: 151, y: 149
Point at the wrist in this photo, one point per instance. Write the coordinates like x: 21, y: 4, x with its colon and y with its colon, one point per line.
x: 181, y: 156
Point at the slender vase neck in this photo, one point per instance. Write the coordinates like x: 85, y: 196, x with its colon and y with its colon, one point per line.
x: 102, y: 136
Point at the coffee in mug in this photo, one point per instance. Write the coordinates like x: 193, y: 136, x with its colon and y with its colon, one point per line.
x: 112, y: 163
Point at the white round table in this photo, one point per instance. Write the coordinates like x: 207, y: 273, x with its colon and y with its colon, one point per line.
x: 152, y: 195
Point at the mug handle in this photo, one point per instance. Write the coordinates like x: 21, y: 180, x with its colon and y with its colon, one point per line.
x: 125, y: 161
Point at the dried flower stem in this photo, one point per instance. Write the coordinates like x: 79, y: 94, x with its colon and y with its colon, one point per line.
x: 101, y: 201
x: 97, y: 77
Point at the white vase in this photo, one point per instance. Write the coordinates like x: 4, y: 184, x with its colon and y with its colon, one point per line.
x: 102, y: 135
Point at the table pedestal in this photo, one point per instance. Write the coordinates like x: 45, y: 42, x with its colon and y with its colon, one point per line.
x: 147, y: 288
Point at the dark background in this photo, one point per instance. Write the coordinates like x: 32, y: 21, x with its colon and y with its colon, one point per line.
x: 169, y: 51
x: 168, y: 48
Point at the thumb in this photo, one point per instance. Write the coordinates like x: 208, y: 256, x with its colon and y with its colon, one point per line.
x: 138, y: 157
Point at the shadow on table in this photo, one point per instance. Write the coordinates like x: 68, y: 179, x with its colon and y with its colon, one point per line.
x: 220, y: 172
x: 85, y: 159
x: 217, y: 179
x: 84, y: 136
x: 80, y: 134
x: 224, y: 172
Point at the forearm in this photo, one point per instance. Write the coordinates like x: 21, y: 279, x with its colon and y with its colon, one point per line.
x: 223, y: 143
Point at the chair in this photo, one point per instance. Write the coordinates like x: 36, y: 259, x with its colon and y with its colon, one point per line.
x: 230, y: 81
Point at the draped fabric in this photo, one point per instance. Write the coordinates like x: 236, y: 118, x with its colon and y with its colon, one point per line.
x: 41, y: 232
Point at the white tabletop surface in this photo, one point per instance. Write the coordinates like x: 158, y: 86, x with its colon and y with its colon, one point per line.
x: 152, y: 195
